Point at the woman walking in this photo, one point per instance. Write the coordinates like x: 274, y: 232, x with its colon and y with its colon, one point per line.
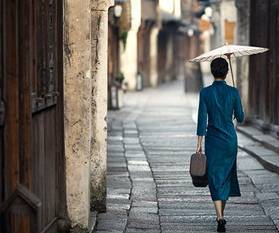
x: 218, y: 104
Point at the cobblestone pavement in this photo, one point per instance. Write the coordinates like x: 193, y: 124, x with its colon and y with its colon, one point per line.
x: 149, y: 188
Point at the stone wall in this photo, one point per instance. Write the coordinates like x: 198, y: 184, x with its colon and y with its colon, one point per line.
x: 85, y: 94
x: 99, y: 103
x: 77, y: 96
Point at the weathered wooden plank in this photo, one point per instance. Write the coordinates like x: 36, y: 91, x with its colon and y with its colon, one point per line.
x: 11, y: 96
x: 37, y: 163
x: 49, y: 120
x: 25, y: 74
x: 50, y: 163
x: 272, y: 64
x: 59, y: 121
x: 1, y: 99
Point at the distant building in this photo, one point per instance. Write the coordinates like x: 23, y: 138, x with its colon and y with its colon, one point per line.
x: 221, y: 16
x: 161, y: 38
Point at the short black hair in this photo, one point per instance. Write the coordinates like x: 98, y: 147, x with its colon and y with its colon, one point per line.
x: 219, y: 67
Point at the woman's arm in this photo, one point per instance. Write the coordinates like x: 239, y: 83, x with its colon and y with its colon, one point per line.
x: 238, y: 110
x: 199, y: 144
x: 202, y: 121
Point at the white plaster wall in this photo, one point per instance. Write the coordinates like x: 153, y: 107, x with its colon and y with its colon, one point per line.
x: 129, y: 55
x: 225, y: 10
x: 153, y: 56
x: 171, y: 7
x: 205, y: 66
x: 228, y: 11
x: 177, y: 8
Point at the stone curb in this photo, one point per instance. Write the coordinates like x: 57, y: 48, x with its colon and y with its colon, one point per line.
x: 266, y: 164
x: 266, y: 140
x: 93, y: 217
x: 265, y: 160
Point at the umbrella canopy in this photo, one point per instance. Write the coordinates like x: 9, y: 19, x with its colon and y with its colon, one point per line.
x: 227, y: 51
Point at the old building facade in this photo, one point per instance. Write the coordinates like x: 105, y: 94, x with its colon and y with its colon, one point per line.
x: 157, y: 44
x: 53, y: 60
x: 262, y: 83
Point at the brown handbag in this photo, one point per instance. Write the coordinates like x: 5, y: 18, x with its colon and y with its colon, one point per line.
x: 198, y: 167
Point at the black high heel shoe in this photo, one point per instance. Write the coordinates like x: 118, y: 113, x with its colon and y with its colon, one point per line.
x: 222, y: 219
x: 221, y: 225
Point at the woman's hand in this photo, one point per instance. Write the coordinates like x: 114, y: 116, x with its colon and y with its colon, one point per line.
x: 199, y: 148
x: 199, y: 145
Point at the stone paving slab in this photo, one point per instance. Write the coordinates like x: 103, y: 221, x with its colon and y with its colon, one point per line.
x: 131, y: 230
x: 150, y: 142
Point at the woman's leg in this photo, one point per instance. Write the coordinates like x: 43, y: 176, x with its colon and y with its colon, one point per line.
x: 223, y: 207
x: 218, y: 208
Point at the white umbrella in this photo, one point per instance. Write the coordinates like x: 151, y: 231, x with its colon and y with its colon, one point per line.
x: 227, y: 51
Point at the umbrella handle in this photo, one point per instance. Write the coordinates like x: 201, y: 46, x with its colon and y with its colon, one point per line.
x: 229, y: 57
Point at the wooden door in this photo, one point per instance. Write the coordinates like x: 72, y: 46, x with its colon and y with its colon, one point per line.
x: 162, y: 56
x: 258, y: 68
x: 32, y: 158
x: 273, y: 65
x: 264, y: 72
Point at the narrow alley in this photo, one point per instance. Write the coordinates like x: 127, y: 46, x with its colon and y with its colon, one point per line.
x: 149, y: 187
x: 98, y: 111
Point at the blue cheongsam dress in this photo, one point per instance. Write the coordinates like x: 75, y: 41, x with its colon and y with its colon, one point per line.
x: 218, y: 104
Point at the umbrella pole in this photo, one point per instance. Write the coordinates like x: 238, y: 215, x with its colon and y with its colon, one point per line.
x: 229, y: 57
